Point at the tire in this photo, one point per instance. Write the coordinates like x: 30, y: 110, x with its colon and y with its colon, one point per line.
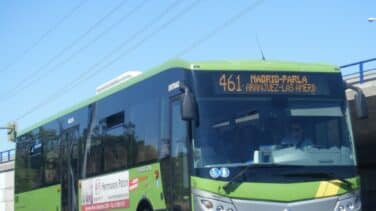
x: 146, y: 209
x: 144, y: 206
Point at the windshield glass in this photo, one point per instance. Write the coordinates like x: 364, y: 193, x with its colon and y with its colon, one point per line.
x: 238, y: 131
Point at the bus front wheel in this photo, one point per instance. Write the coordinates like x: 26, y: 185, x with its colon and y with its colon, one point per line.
x: 144, y: 206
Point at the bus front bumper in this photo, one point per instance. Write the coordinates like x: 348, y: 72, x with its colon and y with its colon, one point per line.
x: 206, y: 201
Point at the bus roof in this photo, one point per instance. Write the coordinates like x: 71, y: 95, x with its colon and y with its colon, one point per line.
x: 222, y: 65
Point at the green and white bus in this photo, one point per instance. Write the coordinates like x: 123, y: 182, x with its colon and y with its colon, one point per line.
x: 219, y: 135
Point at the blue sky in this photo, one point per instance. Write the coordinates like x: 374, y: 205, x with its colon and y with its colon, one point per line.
x: 45, y: 46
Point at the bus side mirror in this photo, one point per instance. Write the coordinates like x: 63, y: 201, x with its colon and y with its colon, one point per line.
x: 188, y: 103
x: 188, y: 107
x: 360, y: 101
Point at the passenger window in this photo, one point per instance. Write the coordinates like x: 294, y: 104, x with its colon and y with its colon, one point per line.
x: 35, y: 163
x: 28, y: 165
x: 51, y: 158
x: 94, y: 154
x: 143, y: 130
x: 115, y: 146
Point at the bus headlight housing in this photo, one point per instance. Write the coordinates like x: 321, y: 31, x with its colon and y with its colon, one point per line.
x: 207, y: 203
x: 351, y: 203
x: 214, y: 205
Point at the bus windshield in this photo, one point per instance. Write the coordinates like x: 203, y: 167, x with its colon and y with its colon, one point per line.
x: 236, y: 131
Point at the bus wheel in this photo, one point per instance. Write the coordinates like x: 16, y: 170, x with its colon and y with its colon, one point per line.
x: 144, y: 206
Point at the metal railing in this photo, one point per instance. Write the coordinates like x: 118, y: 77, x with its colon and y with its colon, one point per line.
x: 7, y: 156
x: 360, y: 74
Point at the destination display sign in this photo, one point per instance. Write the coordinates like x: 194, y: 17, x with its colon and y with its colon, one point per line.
x: 268, y: 83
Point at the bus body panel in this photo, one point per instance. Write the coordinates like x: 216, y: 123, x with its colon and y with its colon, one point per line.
x: 43, y: 199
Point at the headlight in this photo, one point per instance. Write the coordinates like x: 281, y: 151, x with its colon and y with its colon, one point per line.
x: 341, y: 208
x: 351, y: 203
x: 207, y: 203
x: 214, y: 205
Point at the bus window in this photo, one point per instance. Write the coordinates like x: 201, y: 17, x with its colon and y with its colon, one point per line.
x: 35, y: 165
x: 164, y: 145
x: 144, y: 118
x: 325, y: 137
x: 179, y: 157
x: 94, y: 154
x: 21, y: 166
x: 115, y: 149
x: 51, y: 158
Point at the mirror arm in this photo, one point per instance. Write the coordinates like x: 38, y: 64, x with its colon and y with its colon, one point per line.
x: 184, y: 88
x: 360, y: 101
x: 354, y: 88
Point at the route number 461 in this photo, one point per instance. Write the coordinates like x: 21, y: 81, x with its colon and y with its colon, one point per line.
x: 230, y: 83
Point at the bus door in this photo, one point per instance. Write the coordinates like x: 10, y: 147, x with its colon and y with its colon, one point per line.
x: 178, y: 194
x: 69, y: 169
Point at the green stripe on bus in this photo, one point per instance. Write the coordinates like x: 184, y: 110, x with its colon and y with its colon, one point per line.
x: 269, y: 65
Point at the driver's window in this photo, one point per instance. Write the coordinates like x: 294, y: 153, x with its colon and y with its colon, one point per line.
x: 178, y: 132
x: 179, y: 159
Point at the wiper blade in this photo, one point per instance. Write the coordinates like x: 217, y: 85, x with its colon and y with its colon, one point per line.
x: 320, y: 175
x: 228, y: 186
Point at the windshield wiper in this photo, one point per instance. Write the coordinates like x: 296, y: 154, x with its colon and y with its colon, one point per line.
x: 229, y: 186
x: 320, y: 175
